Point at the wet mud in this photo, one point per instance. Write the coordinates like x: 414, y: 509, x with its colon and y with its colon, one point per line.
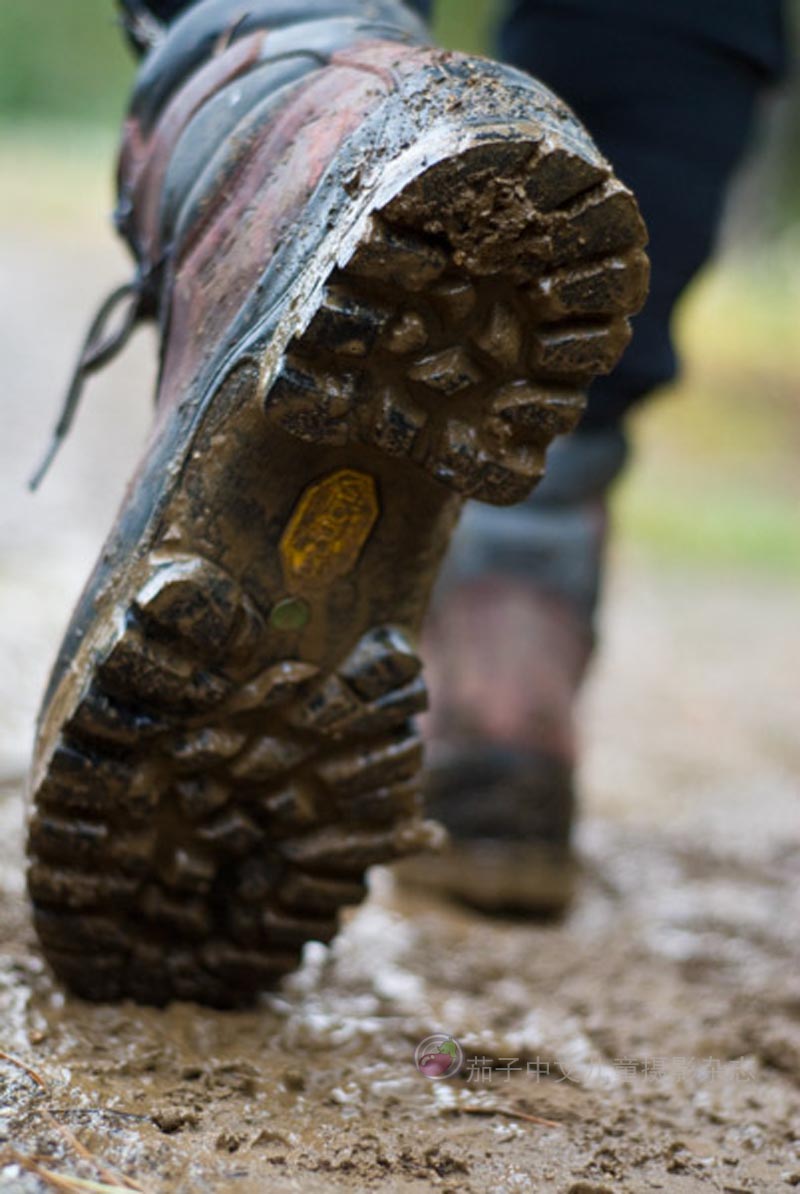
x: 657, y: 1031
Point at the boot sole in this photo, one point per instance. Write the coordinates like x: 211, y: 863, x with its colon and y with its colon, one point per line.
x: 232, y: 746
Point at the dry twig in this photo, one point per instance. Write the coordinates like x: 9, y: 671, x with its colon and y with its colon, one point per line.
x: 509, y: 1114
x: 59, y: 1181
x: 26, y: 1069
x: 113, y: 1111
x: 111, y: 1177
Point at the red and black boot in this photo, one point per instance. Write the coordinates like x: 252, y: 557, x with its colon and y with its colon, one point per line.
x: 384, y: 275
x: 508, y: 644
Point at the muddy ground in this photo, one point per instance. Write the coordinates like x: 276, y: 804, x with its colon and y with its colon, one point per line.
x: 657, y: 1029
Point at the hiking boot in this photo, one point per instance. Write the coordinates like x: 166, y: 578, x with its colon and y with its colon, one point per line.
x: 508, y: 644
x: 384, y: 275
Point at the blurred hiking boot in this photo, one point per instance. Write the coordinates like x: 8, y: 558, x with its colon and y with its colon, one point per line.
x: 384, y: 275
x: 508, y: 643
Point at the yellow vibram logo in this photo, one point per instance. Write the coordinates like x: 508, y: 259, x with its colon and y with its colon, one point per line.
x: 328, y: 529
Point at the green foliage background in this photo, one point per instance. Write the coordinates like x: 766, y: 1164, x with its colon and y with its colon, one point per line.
x: 66, y: 60
x: 62, y: 60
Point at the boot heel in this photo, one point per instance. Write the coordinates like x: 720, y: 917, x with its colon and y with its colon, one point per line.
x: 464, y: 330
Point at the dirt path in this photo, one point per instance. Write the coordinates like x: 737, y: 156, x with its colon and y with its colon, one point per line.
x: 658, y: 1028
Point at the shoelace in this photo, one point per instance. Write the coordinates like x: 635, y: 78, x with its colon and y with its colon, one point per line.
x: 99, y: 347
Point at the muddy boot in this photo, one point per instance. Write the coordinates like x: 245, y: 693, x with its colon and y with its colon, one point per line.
x: 508, y: 643
x: 384, y: 275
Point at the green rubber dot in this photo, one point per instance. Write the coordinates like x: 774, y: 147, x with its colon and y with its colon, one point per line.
x: 290, y: 614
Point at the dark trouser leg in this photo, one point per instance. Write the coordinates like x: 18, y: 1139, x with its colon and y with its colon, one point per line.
x: 673, y: 112
x: 162, y: 10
